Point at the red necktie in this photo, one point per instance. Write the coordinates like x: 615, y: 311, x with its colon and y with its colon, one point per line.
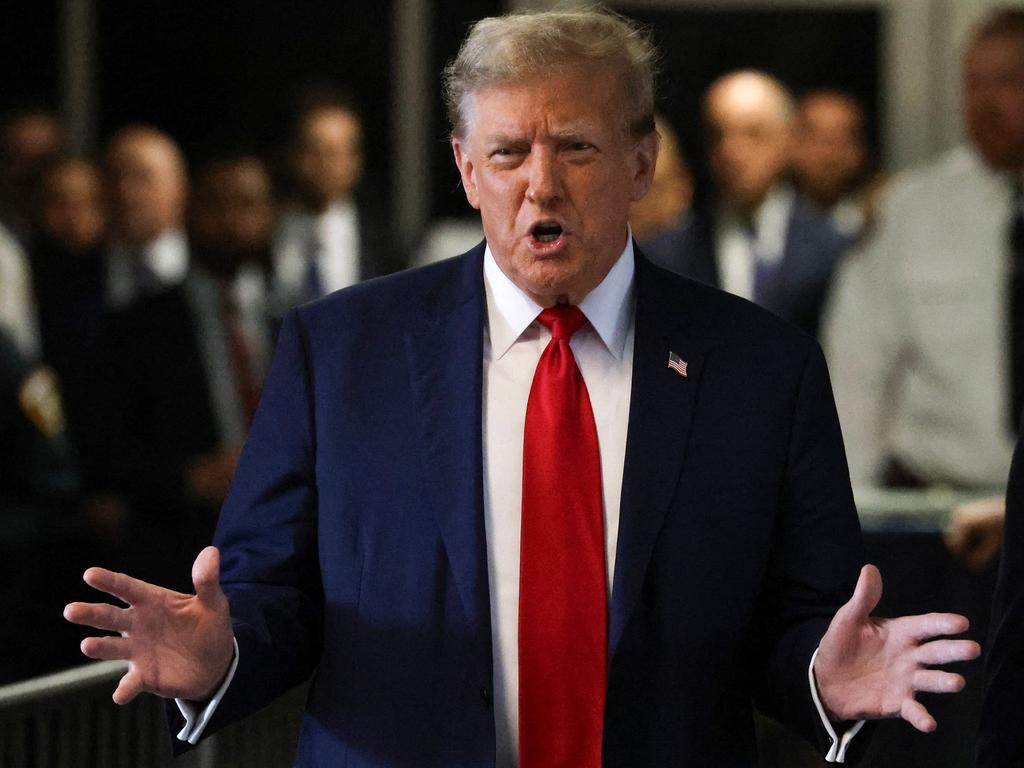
x: 562, y: 586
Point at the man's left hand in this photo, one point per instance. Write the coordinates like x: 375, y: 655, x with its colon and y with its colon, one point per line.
x: 870, y: 668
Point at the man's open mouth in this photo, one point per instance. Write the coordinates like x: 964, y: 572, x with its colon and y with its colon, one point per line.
x: 547, y: 233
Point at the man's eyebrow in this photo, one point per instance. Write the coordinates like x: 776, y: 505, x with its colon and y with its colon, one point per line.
x: 503, y: 138
x: 572, y: 134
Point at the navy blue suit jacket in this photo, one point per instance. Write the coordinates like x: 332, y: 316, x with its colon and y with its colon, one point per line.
x: 800, y: 288
x: 1000, y: 737
x: 353, y: 538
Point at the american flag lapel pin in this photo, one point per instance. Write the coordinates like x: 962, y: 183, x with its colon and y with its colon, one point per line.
x: 677, y: 364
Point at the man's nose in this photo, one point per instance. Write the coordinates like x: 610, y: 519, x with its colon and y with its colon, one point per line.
x: 544, y: 184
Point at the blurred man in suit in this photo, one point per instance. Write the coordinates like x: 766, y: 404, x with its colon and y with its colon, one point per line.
x: 184, y: 366
x: 147, y: 182
x: 832, y: 165
x: 327, y: 237
x: 68, y: 278
x: 38, y: 484
x: 30, y: 139
x: 757, y: 239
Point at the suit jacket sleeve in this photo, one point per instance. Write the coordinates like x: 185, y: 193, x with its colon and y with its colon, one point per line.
x: 1000, y: 737
x: 816, y: 556
x: 268, y: 536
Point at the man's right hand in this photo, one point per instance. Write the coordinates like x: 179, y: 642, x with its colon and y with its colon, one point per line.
x: 176, y: 645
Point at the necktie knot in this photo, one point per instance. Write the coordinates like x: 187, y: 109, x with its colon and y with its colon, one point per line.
x: 563, y: 320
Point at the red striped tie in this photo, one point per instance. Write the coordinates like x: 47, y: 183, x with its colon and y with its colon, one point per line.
x: 562, y: 587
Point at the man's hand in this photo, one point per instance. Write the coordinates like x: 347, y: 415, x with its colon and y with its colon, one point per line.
x: 975, y: 532
x: 176, y: 646
x: 870, y: 668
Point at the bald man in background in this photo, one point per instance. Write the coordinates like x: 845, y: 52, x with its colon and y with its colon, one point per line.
x: 148, y: 185
x: 756, y: 239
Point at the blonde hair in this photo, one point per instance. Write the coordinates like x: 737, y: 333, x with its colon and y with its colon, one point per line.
x: 514, y: 47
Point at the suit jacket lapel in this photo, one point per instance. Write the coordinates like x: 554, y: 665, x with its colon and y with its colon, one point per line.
x: 445, y: 366
x: 661, y: 410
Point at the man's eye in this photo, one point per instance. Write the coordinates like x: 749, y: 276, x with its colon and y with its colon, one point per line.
x: 504, y: 152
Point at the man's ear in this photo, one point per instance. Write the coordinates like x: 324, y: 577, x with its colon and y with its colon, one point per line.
x: 645, y: 156
x: 466, y: 169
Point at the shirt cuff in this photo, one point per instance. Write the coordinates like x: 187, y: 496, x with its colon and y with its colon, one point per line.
x: 196, y: 714
x: 837, y: 752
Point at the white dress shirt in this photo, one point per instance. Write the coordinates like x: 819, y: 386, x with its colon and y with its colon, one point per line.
x: 331, y: 237
x: 513, y: 344
x: 17, y: 299
x: 738, y: 250
x: 512, y: 348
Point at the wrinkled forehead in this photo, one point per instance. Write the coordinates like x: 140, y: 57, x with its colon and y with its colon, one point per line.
x: 567, y: 101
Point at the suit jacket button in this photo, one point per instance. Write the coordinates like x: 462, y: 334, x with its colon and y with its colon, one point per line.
x: 485, y: 694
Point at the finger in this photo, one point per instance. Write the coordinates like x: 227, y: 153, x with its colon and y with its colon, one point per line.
x: 106, y: 648
x: 930, y: 625
x: 915, y: 714
x: 129, y: 687
x: 947, y: 651
x: 206, y: 576
x: 120, y: 585
x: 865, y: 596
x: 937, y: 681
x: 98, y: 615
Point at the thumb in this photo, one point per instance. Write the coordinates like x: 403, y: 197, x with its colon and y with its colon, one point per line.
x: 865, y: 596
x: 206, y: 575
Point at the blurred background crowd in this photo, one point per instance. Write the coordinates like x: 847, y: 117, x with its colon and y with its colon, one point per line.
x: 173, y: 181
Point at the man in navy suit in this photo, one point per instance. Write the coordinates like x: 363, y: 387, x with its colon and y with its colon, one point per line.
x: 377, y: 528
x: 757, y: 238
x: 1000, y: 738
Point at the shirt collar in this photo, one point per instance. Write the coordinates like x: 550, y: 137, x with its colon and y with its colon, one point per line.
x: 609, y: 307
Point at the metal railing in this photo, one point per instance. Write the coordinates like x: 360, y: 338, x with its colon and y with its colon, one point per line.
x: 68, y: 720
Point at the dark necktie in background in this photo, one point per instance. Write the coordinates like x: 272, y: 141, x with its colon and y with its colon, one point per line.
x: 312, y: 281
x: 1016, y: 306
x: 145, y: 281
x: 241, y: 358
x: 563, y: 614
x: 765, y: 270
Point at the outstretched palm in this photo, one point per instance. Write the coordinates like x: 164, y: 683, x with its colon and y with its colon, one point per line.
x: 176, y: 645
x: 871, y: 668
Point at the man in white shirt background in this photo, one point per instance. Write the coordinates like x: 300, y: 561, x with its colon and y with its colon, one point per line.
x: 327, y: 237
x: 924, y: 333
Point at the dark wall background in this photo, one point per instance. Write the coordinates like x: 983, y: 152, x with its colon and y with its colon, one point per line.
x: 451, y: 23
x: 214, y: 73
x: 29, y: 69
